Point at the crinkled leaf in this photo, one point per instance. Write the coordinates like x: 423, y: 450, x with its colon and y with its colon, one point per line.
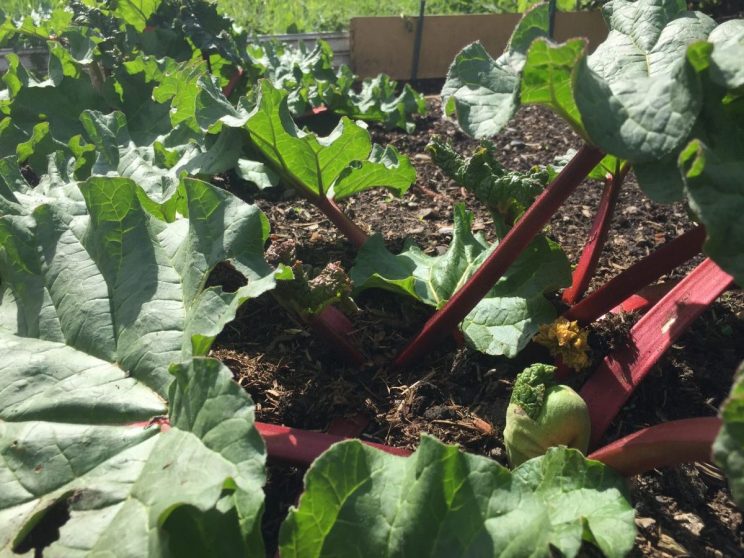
x: 484, y: 93
x: 359, y: 501
x: 637, y: 96
x: 728, y: 449
x: 506, y: 193
x: 157, y: 167
x: 338, y: 165
x: 101, y: 273
x: 75, y: 428
x: 168, y: 81
x: 507, y: 318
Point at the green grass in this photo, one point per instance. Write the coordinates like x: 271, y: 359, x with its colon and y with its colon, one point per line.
x: 20, y: 8
x: 283, y: 16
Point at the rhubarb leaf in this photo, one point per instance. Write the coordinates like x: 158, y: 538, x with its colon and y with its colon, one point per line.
x: 548, y: 76
x: 506, y: 193
x: 728, y: 449
x: 339, y: 165
x: 712, y: 164
x: 136, y: 12
x: 484, y: 93
x: 89, y: 265
x: 75, y: 429
x: 360, y: 501
x: 158, y: 166
x: 637, y: 96
x: 56, y: 106
x: 505, y: 320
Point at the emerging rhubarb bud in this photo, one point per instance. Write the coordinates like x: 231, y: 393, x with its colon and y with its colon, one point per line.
x: 542, y: 414
x: 567, y: 341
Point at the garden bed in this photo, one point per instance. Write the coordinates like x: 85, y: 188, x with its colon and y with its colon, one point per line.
x: 456, y: 394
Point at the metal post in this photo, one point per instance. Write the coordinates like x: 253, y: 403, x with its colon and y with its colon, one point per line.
x: 417, y: 40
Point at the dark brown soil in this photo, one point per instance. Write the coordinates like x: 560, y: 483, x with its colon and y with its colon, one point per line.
x: 456, y: 394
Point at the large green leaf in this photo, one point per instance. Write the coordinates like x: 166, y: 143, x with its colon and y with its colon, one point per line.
x: 728, y: 449
x: 91, y: 267
x: 712, y: 164
x: 507, y: 318
x: 74, y: 429
x: 158, y: 166
x: 637, y: 96
x: 484, y: 93
x: 336, y: 166
x: 359, y: 501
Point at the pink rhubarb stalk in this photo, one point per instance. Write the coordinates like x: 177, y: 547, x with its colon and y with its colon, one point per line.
x: 454, y: 311
x: 332, y: 325
x: 664, y: 445
x: 597, y: 238
x: 349, y: 228
x: 642, y: 273
x: 610, y: 386
x: 234, y: 79
x: 301, y: 447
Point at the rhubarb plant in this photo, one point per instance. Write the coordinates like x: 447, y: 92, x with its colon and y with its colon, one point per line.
x: 322, y: 169
x: 660, y: 90
x: 507, y: 318
x: 362, y: 501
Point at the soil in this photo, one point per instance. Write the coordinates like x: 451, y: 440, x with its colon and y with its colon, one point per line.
x: 457, y: 394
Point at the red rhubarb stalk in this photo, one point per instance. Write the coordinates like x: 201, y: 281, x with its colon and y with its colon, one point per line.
x: 508, y: 250
x: 332, y: 325
x: 597, y: 237
x: 234, y: 79
x: 610, y: 386
x: 642, y: 273
x: 301, y: 447
x: 349, y: 228
x: 664, y: 445
x: 645, y: 298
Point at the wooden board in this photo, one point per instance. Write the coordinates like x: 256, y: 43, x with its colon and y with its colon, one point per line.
x: 385, y: 44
